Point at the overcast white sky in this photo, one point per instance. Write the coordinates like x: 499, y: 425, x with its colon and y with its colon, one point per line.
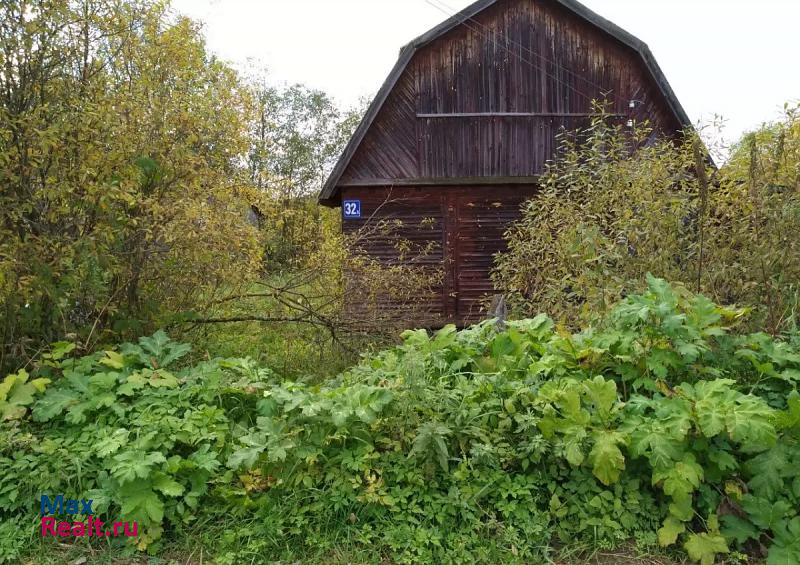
x: 738, y: 58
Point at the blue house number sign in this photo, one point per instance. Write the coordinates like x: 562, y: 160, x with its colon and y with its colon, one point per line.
x: 351, y: 209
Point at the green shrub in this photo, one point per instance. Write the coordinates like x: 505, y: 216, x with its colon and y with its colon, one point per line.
x: 645, y: 427
x: 660, y: 425
x: 616, y: 205
x: 122, y: 428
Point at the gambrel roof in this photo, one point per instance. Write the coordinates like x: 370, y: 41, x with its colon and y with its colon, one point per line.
x: 329, y: 195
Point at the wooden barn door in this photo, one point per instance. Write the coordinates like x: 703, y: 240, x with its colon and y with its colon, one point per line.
x: 476, y: 221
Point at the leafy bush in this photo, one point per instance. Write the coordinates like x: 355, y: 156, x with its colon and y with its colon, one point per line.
x: 123, y: 429
x: 659, y: 425
x: 612, y: 433
x: 120, y: 151
x: 616, y: 205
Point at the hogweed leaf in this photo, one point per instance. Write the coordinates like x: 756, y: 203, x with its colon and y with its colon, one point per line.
x: 764, y: 513
x: 54, y: 403
x: 167, y: 485
x: 751, y: 424
x: 602, y: 394
x: 652, y: 440
x: 606, y: 458
x: 113, y: 359
x: 705, y: 547
x: 768, y: 471
x: 739, y: 529
x: 17, y: 394
x: 140, y: 502
x: 785, y: 550
x: 130, y: 465
x: 669, y: 531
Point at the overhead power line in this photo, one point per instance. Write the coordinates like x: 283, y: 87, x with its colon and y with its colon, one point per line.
x: 489, y: 35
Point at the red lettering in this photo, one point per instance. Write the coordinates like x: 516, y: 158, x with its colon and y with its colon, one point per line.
x: 89, y: 528
x: 48, y: 525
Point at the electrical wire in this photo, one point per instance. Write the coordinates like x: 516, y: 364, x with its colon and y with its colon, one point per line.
x: 448, y: 10
x: 453, y: 11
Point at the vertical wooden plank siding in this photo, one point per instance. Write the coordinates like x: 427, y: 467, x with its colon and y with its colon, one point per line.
x: 483, y: 216
x: 391, y: 217
x: 462, y: 226
x: 468, y: 126
x: 516, y: 57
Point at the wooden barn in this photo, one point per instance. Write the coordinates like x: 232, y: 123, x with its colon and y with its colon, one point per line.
x: 463, y: 125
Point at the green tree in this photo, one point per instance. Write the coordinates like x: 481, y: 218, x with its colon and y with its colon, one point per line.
x: 120, y: 148
x: 297, y: 133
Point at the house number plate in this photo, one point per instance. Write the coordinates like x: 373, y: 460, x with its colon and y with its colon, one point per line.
x: 351, y: 209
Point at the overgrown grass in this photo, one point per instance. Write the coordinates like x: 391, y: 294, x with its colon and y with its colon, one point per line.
x: 295, y: 350
x: 205, y: 548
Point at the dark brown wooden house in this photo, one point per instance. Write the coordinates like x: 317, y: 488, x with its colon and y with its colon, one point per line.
x: 466, y: 121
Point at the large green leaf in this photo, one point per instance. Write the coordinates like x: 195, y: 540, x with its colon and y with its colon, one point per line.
x: 167, y: 485
x: 786, y: 548
x: 739, y: 529
x: 606, y: 457
x: 764, y: 513
x: 139, y: 502
x: 602, y: 394
x: 705, y: 547
x: 669, y: 531
x: 17, y: 394
x: 681, y: 479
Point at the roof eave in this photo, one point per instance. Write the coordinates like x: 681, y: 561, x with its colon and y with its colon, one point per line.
x: 327, y: 195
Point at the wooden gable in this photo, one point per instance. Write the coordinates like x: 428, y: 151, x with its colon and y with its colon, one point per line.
x: 481, y: 97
